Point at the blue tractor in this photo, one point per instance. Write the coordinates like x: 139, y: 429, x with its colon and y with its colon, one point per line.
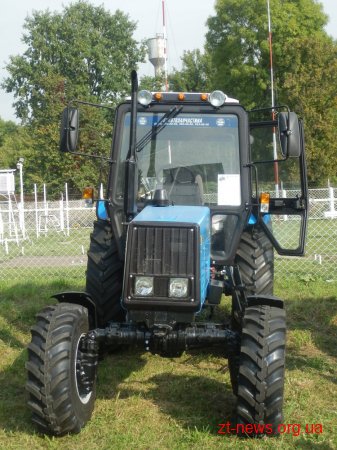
x: 192, y: 213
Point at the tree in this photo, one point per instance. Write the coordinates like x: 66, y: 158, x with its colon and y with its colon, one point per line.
x: 304, y: 60
x: 7, y: 127
x: 152, y: 84
x: 238, y: 45
x: 82, y: 52
x: 310, y: 82
x: 195, y: 73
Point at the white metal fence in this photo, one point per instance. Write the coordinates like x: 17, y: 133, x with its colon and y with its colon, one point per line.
x: 51, y: 238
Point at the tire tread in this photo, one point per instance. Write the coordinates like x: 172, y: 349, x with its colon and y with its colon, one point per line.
x: 262, y: 366
x: 48, y: 376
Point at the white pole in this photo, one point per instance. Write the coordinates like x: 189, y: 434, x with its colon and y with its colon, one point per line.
x: 22, y: 211
x: 11, y: 217
x: 332, y: 201
x: 284, y: 195
x: 67, y: 209
x: 36, y: 212
x: 45, y: 204
x: 45, y: 208
x: 61, y: 213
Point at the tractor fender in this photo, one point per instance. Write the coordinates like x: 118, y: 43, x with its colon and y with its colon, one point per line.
x: 267, y: 300
x: 80, y: 298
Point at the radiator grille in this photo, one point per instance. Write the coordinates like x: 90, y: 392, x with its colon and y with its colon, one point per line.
x: 163, y: 251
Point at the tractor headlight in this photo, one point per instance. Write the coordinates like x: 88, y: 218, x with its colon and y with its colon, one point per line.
x: 178, y: 287
x: 217, y: 98
x: 144, y: 97
x: 144, y: 286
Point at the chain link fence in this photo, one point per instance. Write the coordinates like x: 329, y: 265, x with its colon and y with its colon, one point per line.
x: 51, y: 238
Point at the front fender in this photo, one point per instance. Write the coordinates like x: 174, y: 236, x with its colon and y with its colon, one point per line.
x: 268, y: 300
x: 80, y: 298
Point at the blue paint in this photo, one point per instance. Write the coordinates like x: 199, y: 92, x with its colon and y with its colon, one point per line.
x: 101, y: 211
x: 186, y: 215
x: 252, y: 219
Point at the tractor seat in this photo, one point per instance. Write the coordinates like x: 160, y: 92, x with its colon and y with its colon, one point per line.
x: 183, y: 187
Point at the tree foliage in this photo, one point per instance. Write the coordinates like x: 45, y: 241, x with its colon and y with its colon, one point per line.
x: 238, y: 43
x: 195, y: 73
x: 82, y: 52
x: 304, y: 63
x: 310, y: 82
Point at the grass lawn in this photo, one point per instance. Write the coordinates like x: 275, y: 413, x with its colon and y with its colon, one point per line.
x: 147, y: 402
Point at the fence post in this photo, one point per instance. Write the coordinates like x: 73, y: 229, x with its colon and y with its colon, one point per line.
x: 284, y: 195
x: 36, y: 212
x: 332, y: 213
x: 61, y: 213
x: 67, y: 209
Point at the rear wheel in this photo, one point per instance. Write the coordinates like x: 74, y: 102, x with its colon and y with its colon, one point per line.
x: 61, y: 385
x: 255, y: 258
x: 105, y: 274
x: 261, y: 371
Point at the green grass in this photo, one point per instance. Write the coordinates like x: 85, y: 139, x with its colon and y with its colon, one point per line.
x: 147, y: 402
x: 51, y: 244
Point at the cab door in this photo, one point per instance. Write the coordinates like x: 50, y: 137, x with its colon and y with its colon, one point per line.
x: 280, y: 193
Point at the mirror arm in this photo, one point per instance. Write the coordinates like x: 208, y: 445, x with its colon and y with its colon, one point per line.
x: 86, y: 155
x: 96, y: 105
x: 269, y: 108
x: 268, y: 161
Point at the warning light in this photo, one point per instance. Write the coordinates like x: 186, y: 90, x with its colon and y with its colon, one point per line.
x: 88, y: 192
x: 158, y: 96
x: 264, y: 202
x: 88, y: 197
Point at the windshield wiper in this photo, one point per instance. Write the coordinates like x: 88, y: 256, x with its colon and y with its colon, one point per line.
x: 155, y: 130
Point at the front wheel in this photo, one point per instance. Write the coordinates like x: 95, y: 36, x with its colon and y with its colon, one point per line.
x: 261, y: 371
x: 61, y: 376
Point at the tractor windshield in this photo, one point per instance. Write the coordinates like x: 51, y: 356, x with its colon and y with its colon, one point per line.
x: 195, y: 157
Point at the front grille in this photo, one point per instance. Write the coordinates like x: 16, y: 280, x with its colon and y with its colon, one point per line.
x: 166, y: 251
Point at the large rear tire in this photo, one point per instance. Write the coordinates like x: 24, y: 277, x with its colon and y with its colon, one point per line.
x: 261, y: 371
x: 105, y: 274
x: 255, y: 258
x: 60, y: 397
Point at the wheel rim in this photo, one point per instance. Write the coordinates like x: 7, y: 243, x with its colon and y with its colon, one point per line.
x: 80, y: 375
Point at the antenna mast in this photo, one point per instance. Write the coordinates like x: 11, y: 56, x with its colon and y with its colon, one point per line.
x: 276, y: 175
x: 157, y: 48
x: 165, y: 45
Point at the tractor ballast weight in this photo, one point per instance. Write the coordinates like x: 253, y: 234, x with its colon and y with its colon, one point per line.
x: 189, y: 216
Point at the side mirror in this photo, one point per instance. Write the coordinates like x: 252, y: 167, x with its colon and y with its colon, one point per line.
x: 289, y: 132
x: 69, y: 129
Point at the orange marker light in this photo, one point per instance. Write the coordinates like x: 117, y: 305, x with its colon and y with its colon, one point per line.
x: 158, y: 96
x: 204, y: 97
x: 88, y: 193
x: 264, y: 202
x: 181, y: 96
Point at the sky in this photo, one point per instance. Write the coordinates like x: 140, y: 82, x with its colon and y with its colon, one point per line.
x: 185, y: 28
